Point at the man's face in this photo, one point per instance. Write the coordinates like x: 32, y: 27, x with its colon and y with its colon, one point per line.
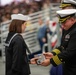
x: 67, y: 24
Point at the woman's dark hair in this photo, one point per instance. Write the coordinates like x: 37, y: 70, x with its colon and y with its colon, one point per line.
x: 16, y: 26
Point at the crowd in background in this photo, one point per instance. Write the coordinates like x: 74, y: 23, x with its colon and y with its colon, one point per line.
x: 25, y: 7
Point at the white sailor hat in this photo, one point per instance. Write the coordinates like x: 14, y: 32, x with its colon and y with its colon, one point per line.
x: 20, y: 17
x: 66, y: 3
x: 65, y: 14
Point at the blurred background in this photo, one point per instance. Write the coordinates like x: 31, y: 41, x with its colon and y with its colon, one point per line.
x: 43, y: 32
x: 8, y: 7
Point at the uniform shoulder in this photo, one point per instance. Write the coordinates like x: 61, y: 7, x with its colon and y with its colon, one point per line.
x: 18, y: 38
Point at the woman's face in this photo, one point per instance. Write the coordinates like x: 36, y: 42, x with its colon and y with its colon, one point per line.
x: 24, y: 26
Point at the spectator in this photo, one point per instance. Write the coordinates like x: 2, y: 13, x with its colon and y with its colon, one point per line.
x: 46, y: 4
x: 15, y: 10
x: 6, y: 17
x: 42, y: 32
x: 22, y: 7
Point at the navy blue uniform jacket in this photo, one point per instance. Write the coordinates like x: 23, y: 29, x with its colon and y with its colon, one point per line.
x: 67, y: 55
x: 16, y: 57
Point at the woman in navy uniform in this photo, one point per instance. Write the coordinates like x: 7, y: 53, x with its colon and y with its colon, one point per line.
x: 16, y: 57
x: 65, y: 54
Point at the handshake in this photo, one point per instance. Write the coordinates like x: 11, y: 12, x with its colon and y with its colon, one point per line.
x: 42, y: 59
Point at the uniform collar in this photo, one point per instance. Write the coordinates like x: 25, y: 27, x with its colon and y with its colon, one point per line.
x: 73, y: 26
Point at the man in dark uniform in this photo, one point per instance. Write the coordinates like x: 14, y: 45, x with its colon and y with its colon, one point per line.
x: 65, y: 54
x: 65, y: 4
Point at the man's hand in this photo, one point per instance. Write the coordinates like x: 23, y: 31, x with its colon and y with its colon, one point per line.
x: 46, y: 62
x: 48, y: 55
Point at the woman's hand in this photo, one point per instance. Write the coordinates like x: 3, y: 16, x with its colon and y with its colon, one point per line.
x: 33, y: 60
